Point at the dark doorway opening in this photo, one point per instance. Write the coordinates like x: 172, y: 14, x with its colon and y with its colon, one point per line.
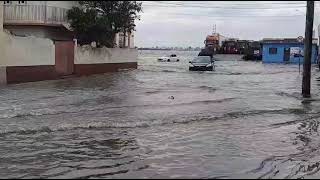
x: 286, y: 56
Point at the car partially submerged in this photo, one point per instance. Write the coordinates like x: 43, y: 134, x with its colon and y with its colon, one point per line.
x: 202, y: 63
x: 171, y: 58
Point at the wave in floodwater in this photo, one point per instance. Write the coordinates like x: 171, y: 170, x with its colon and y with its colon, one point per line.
x: 34, y: 113
x: 161, y: 122
x: 303, y: 163
x: 217, y: 72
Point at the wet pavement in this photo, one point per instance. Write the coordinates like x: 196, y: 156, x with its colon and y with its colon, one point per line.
x: 246, y: 120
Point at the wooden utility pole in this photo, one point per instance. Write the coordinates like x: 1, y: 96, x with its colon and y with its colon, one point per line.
x: 1, y: 15
x: 307, y: 50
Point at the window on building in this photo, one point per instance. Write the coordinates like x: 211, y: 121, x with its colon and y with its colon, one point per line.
x: 7, y: 2
x: 22, y: 2
x: 273, y: 50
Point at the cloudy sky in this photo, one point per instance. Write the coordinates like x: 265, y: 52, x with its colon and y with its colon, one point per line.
x: 187, y: 23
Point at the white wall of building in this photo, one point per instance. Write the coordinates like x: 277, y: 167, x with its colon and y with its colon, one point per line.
x: 33, y: 51
x: 89, y: 55
x: 26, y: 51
x: 3, y: 75
x: 127, y: 45
x: 132, y: 40
x: 116, y: 39
x: 3, y: 78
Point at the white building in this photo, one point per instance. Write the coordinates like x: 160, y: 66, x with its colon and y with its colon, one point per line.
x: 45, y: 19
x: 36, y: 43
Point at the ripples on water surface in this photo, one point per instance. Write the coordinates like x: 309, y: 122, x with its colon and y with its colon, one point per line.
x: 245, y: 120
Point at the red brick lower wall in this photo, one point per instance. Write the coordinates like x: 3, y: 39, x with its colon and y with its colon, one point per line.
x: 21, y: 74
x: 87, y: 69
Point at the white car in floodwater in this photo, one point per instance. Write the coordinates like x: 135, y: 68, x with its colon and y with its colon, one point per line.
x: 171, y: 58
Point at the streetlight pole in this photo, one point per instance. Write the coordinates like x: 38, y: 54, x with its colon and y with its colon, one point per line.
x: 307, y: 50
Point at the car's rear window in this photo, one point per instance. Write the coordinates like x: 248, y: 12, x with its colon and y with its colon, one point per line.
x: 202, y: 59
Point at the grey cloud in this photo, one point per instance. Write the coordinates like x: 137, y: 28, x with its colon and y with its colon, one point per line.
x: 172, y: 26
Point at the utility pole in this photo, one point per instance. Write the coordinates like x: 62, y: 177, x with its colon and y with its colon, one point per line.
x: 1, y: 16
x: 307, y: 50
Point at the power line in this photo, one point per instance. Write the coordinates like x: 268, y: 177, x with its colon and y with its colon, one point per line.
x: 206, y: 4
x: 232, y: 18
x: 253, y: 16
x: 259, y: 4
x: 248, y: 18
x: 248, y: 15
x: 220, y: 7
x: 273, y: 3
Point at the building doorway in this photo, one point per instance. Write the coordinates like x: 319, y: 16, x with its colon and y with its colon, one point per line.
x: 286, y: 55
x: 64, y: 57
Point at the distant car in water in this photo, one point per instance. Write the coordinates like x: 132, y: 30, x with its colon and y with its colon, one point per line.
x: 170, y: 58
x: 201, y: 63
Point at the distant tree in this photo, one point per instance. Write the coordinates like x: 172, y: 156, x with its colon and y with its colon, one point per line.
x: 99, y: 21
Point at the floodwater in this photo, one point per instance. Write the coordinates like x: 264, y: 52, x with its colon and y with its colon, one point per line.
x: 245, y: 120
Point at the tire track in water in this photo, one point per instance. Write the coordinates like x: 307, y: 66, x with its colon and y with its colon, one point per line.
x: 185, y: 70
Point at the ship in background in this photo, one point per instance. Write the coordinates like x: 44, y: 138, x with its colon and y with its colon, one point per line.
x: 213, y: 43
x: 215, y: 40
x: 216, y: 43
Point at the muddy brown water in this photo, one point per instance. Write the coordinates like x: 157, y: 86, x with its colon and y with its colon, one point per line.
x: 246, y: 119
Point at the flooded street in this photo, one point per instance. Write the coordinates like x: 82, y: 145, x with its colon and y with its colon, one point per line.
x: 246, y: 119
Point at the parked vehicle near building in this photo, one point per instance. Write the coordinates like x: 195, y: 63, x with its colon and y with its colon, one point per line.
x: 201, y: 63
x: 243, y: 46
x: 254, y: 51
x: 230, y: 47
